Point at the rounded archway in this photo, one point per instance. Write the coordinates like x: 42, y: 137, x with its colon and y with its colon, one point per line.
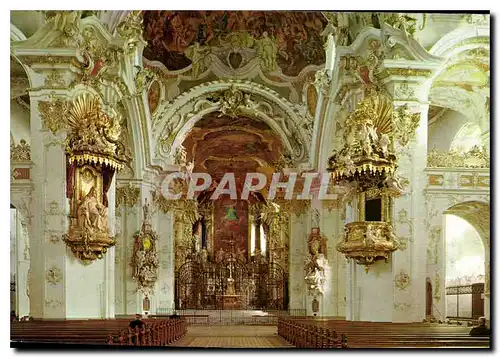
x: 234, y: 98
x: 467, y: 235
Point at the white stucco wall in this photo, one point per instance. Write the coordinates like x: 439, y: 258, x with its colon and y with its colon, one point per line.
x: 19, y: 123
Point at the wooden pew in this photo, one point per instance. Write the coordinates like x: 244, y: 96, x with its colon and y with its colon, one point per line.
x: 394, y: 335
x: 93, y: 331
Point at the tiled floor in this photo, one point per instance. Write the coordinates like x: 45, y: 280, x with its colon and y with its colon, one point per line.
x: 232, y: 337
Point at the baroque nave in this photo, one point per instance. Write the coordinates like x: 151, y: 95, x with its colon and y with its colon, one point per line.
x: 272, y: 168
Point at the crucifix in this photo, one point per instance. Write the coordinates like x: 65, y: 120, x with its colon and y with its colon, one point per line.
x: 230, y: 280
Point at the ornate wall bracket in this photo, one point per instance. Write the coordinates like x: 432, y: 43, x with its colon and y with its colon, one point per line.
x: 368, y: 241
x: 316, y: 264
x: 145, y: 257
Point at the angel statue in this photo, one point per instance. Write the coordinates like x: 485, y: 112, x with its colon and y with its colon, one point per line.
x: 392, y: 182
x: 147, y: 212
x: 370, y: 237
x: 383, y: 143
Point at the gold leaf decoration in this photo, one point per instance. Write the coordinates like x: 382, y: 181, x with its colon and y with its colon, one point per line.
x: 475, y: 158
x: 127, y: 195
x: 20, y: 152
x: 53, y: 113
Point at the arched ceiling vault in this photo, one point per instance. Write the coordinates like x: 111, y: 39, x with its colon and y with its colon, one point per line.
x: 477, y: 214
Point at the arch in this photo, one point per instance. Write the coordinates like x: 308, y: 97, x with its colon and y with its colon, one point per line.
x: 475, y: 213
x: 16, y: 34
x: 456, y: 41
x: 177, y: 118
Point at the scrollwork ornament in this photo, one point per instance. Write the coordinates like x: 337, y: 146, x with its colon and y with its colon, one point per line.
x: 53, y: 113
x: 405, y: 124
x: 127, y: 195
x: 231, y: 101
x: 143, y: 79
x: 68, y: 24
x: 131, y: 29
x: 402, y: 306
x: 54, y: 275
x: 52, y: 302
x: 402, y: 280
x: 322, y: 81
x: 145, y: 260
x: 20, y: 152
x: 367, y: 242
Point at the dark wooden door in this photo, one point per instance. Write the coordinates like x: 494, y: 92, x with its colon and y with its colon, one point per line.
x: 428, y: 299
x: 477, y: 300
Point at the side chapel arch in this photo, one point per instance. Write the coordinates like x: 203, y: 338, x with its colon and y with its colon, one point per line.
x: 230, y: 97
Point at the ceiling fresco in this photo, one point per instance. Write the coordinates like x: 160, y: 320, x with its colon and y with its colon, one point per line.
x: 294, y: 35
x: 237, y: 145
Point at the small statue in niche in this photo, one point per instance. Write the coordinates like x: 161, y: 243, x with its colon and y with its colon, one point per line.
x: 393, y: 183
x: 316, y: 261
x: 147, y: 213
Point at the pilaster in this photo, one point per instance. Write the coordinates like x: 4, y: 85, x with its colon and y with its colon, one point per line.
x: 298, y: 251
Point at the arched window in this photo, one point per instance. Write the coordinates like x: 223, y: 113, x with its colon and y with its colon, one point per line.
x: 252, y: 238
x: 262, y: 239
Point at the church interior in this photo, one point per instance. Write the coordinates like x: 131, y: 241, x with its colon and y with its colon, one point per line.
x: 371, y: 130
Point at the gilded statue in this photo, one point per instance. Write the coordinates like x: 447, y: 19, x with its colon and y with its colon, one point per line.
x: 91, y: 214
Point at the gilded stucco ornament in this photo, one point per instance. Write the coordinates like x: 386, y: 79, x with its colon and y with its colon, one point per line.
x: 368, y: 151
x: 368, y: 241
x: 405, y: 124
x: 94, y: 153
x: 145, y: 257
x: 53, y: 113
x: 230, y: 101
x: 20, y: 152
x: 475, y: 158
x: 127, y: 195
x: 131, y: 29
x: 93, y: 134
x: 143, y: 78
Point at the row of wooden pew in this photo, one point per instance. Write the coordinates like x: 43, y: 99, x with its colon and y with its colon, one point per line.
x: 159, y: 333
x: 382, y: 335
x: 95, y: 332
x: 303, y: 335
